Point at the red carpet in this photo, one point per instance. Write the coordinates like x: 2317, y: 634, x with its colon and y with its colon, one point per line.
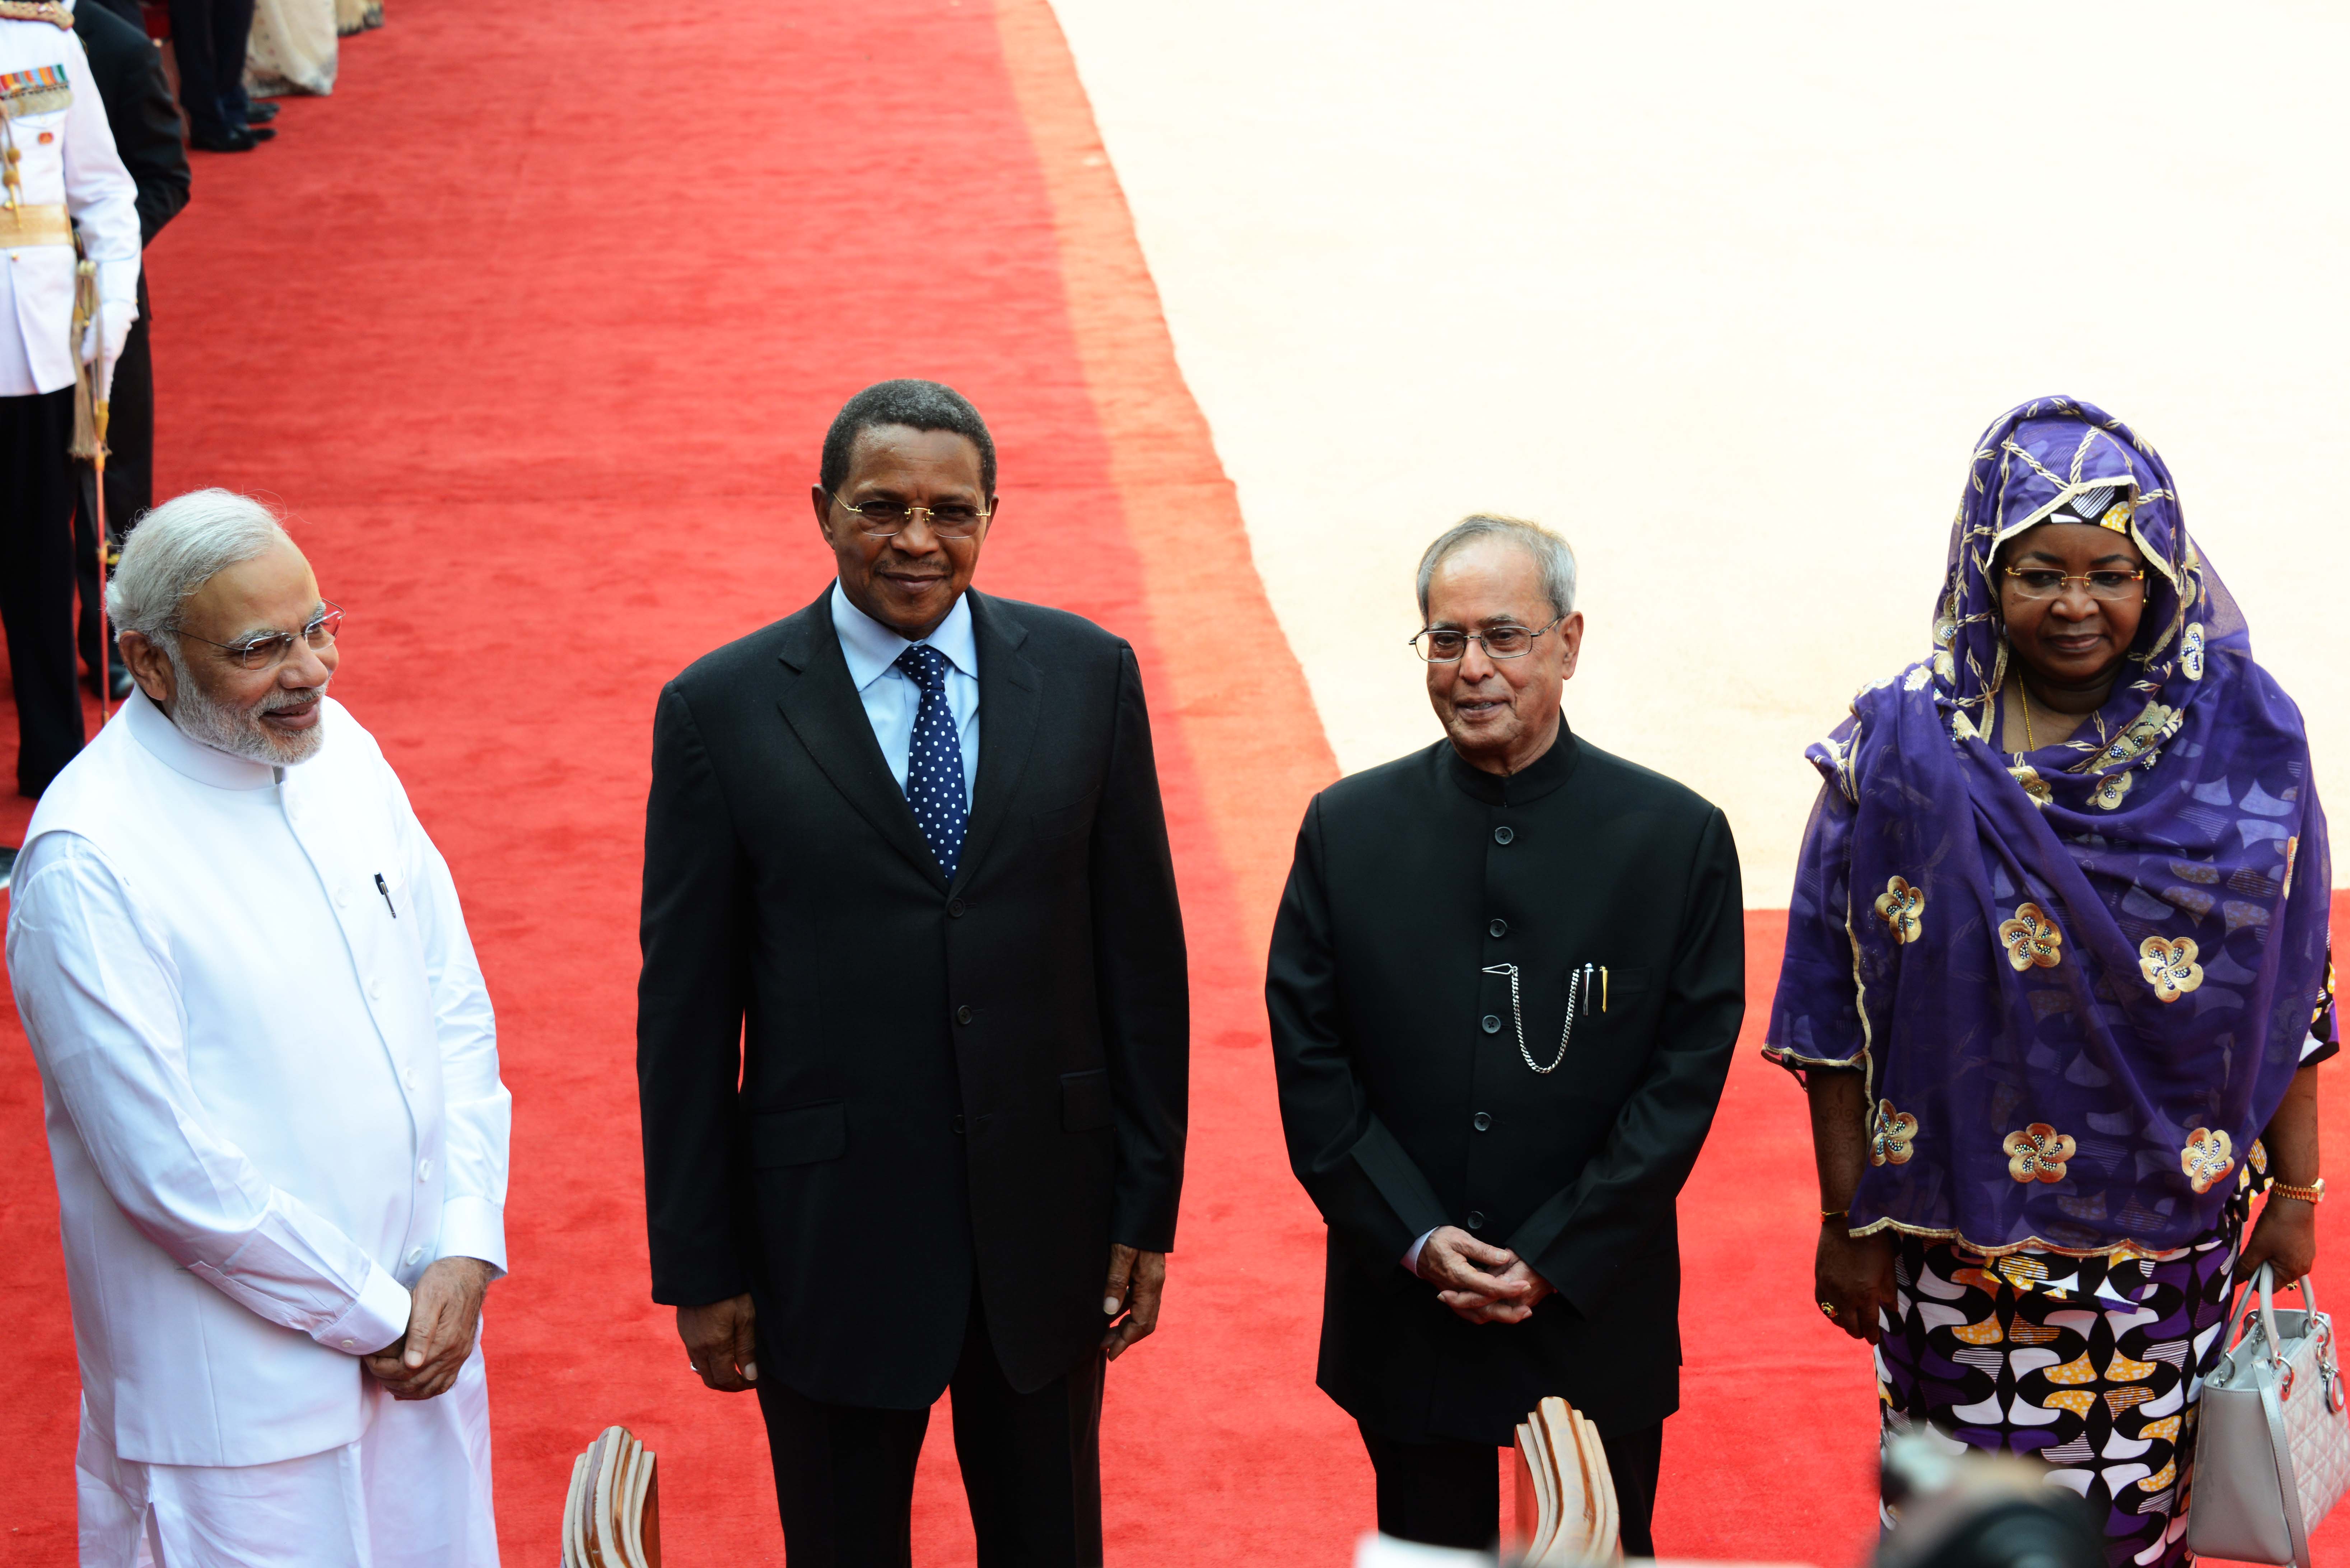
x: 535, y: 328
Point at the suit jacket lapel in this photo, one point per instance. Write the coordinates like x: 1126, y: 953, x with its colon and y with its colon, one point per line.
x: 821, y: 705
x: 1011, y: 700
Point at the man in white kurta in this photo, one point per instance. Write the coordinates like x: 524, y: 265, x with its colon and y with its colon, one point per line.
x: 273, y: 1104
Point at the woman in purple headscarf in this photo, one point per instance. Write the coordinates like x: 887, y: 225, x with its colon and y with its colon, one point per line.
x: 2057, y: 980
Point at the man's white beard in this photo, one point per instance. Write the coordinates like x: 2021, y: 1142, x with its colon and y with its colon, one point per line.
x: 240, y: 732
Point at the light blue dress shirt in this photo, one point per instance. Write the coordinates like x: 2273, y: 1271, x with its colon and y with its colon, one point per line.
x: 890, y: 696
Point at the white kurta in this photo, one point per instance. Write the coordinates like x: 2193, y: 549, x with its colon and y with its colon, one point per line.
x: 272, y: 1097
x: 66, y: 156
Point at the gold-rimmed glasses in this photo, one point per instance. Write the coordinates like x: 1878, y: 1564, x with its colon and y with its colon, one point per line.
x: 881, y: 519
x: 2046, y: 583
x: 1448, y: 645
x: 269, y: 649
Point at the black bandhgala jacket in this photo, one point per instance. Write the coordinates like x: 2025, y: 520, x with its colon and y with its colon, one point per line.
x: 942, y: 1088
x: 1407, y: 1104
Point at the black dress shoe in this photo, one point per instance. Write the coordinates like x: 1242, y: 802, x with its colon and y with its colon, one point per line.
x: 261, y: 133
x: 260, y: 114
x: 239, y: 140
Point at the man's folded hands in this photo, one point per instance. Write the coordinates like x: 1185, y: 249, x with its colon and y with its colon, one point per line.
x: 1480, y: 1282
x: 445, y: 1313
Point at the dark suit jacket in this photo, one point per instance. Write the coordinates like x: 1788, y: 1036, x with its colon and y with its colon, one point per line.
x: 1408, y: 1105
x: 938, y: 1084
x: 139, y: 110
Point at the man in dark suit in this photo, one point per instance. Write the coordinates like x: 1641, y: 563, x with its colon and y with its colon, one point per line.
x: 146, y: 126
x: 912, y: 1040
x: 1506, y: 979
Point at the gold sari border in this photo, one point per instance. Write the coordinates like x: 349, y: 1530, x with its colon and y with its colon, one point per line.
x: 2128, y: 1247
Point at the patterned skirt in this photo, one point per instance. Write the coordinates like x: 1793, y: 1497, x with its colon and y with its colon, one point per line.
x: 2092, y: 1365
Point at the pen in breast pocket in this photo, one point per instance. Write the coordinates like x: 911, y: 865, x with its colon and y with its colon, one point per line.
x: 382, y: 888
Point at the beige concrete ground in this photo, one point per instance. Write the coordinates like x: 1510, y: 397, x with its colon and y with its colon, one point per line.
x: 1725, y: 291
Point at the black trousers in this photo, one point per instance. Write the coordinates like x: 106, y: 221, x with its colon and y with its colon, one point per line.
x: 208, y: 39
x: 129, y: 474
x: 1449, y: 1494
x: 1031, y: 1469
x: 36, y: 581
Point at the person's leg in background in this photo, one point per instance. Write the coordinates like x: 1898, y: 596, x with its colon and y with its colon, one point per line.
x: 1437, y: 1494
x: 36, y: 582
x: 232, y: 33
x: 87, y: 622
x: 192, y: 35
x: 129, y: 483
x: 1031, y: 1462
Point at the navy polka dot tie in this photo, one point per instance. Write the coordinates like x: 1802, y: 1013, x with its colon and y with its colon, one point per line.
x: 934, y: 761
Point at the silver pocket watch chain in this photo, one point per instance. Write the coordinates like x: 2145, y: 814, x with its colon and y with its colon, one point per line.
x: 1575, y: 985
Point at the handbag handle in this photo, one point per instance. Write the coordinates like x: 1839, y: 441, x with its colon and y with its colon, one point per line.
x: 2262, y: 1285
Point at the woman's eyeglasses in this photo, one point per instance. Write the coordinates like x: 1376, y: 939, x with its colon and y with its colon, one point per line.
x: 268, y: 652
x: 2044, y: 583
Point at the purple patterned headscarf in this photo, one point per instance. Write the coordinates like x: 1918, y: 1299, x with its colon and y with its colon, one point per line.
x: 2085, y: 974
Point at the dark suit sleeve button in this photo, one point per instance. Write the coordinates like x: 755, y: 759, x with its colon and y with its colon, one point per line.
x: 1493, y: 1025
x: 954, y: 908
x: 1476, y: 1220
x: 962, y: 1015
x: 1502, y: 834
x: 958, y: 1124
x: 1480, y: 1121
x: 1498, y: 928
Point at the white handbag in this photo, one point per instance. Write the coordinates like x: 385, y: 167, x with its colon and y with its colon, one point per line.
x: 2272, y: 1439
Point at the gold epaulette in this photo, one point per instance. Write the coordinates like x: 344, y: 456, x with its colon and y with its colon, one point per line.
x: 48, y: 11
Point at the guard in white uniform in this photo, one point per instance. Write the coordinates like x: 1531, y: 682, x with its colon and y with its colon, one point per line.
x: 270, y: 1080
x: 58, y: 172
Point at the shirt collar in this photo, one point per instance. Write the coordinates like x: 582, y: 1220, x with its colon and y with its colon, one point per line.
x: 152, y: 727
x: 872, y: 649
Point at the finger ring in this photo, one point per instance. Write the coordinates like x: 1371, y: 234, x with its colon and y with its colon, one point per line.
x: 1827, y: 1307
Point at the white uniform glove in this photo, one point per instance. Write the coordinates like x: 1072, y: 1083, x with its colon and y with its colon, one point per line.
x: 118, y: 294
x: 117, y: 320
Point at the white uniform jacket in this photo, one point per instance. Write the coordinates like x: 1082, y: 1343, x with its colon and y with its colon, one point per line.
x: 271, y: 1085
x: 65, y: 156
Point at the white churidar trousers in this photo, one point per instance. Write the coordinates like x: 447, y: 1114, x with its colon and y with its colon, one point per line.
x: 412, y: 1492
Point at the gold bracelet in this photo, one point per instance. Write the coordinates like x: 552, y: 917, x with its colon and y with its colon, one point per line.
x: 1828, y: 1214
x: 2313, y: 1193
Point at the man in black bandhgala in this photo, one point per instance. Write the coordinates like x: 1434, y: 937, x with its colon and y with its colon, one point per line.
x: 1505, y: 983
